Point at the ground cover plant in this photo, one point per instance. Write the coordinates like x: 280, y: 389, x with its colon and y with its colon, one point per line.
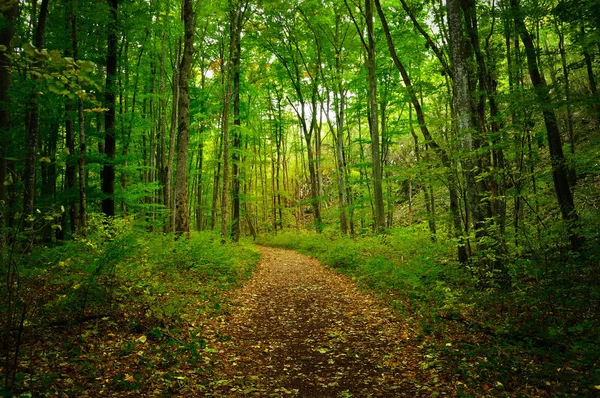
x: 119, y: 312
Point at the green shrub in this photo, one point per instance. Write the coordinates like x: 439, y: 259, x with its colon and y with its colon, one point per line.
x: 125, y: 278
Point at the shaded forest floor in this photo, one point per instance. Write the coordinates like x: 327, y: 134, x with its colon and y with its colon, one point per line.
x: 299, y: 329
x: 198, y: 318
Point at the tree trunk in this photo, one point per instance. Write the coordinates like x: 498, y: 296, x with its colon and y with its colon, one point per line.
x: 81, y: 164
x: 7, y: 31
x: 236, y: 32
x: 216, y: 178
x: 199, y: 195
x: 565, y: 69
x: 182, y: 217
x: 465, y: 125
x: 227, y: 96
x: 108, y: 173
x: 170, y: 222
x: 71, y: 169
x: 33, y: 127
x: 80, y: 130
x: 379, y: 214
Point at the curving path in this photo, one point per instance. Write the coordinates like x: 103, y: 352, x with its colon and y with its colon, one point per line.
x: 298, y: 329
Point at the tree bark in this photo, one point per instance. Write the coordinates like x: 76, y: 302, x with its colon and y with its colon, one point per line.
x: 7, y: 32
x: 108, y: 173
x: 565, y: 69
x: 379, y: 214
x: 182, y: 218
x: 236, y: 33
x: 170, y: 222
x: 81, y: 131
x: 33, y: 130
x: 71, y: 169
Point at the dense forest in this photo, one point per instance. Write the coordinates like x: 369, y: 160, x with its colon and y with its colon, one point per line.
x: 445, y: 155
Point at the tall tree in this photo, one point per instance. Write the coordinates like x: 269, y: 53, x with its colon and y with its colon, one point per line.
x: 71, y: 169
x: 182, y: 217
x: 236, y: 21
x: 379, y: 216
x: 443, y: 155
x: 81, y: 130
x: 7, y: 32
x: 467, y: 132
x: 110, y: 117
x: 32, y: 123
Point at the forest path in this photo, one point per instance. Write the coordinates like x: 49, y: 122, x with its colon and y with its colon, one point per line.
x: 299, y: 329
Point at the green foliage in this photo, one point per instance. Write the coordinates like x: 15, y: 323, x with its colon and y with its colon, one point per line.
x: 147, y: 286
x: 164, y: 266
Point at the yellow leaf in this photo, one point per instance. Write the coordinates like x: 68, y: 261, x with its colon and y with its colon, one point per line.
x: 142, y: 339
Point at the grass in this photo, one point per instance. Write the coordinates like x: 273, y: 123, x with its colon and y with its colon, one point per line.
x: 404, y: 260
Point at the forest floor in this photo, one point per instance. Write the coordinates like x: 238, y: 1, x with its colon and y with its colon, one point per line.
x: 295, y: 328
x: 299, y: 329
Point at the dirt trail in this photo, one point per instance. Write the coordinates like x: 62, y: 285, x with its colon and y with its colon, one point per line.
x: 299, y: 329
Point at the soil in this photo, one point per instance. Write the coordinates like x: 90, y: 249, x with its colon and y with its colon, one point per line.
x: 300, y: 329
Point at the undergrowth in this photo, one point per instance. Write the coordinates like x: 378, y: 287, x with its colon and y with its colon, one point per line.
x: 122, y: 309
x: 536, y: 337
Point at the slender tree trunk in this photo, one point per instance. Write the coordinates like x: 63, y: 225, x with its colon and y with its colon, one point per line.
x: 565, y: 69
x: 80, y: 130
x: 216, y: 184
x: 225, y: 140
x: 236, y: 31
x: 273, y: 191
x: 81, y: 164
x: 7, y: 31
x: 379, y: 214
x: 199, y: 186
x: 33, y: 127
x: 338, y: 136
x: 227, y: 96
x: 182, y: 217
x: 161, y: 161
x: 108, y: 173
x: 170, y: 223
x: 71, y: 169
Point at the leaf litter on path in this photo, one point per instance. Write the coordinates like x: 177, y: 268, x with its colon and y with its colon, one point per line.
x: 299, y: 329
